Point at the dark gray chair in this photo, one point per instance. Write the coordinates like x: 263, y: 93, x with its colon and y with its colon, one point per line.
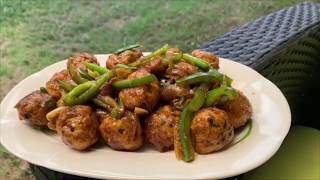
x: 285, y: 48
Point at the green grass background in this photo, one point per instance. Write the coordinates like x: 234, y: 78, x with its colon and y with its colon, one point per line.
x: 36, y: 33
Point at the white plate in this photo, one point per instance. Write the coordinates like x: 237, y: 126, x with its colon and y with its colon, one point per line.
x: 271, y: 122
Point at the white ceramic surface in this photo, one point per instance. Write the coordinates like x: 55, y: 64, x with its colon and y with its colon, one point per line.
x: 271, y: 122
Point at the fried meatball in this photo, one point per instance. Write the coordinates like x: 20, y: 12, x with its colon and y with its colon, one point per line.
x: 160, y: 126
x: 239, y: 110
x: 122, y: 134
x: 106, y: 89
x: 172, y: 91
x: 212, y: 59
x: 174, y: 54
x: 53, y: 117
x: 211, y: 130
x: 144, y: 96
x: 155, y: 65
x: 34, y: 108
x: 52, y: 85
x: 79, y: 60
x: 181, y: 69
x: 125, y: 57
x: 78, y: 126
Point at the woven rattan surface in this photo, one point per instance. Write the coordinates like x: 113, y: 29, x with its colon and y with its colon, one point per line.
x: 285, y: 48
x: 253, y: 40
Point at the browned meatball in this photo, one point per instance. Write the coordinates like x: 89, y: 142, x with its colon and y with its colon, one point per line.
x: 174, y: 54
x: 53, y: 117
x: 106, y: 89
x: 125, y: 57
x: 34, y: 108
x: 180, y: 70
x: 172, y: 91
x: 212, y: 59
x: 122, y: 134
x: 78, y: 126
x: 239, y: 110
x: 79, y: 60
x: 160, y: 126
x: 155, y: 65
x: 53, y: 84
x: 211, y: 130
x: 145, y: 96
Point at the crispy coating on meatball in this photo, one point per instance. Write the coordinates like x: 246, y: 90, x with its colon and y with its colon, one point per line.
x: 211, y: 130
x: 125, y: 57
x: 155, y: 65
x: 212, y: 59
x: 145, y: 96
x: 173, y: 91
x: 239, y: 110
x: 181, y: 69
x: 160, y: 127
x: 78, y: 126
x: 122, y: 134
x: 52, y: 85
x: 174, y: 53
x: 79, y: 60
x: 34, y: 107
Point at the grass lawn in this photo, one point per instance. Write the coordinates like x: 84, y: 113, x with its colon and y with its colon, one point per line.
x: 36, y: 33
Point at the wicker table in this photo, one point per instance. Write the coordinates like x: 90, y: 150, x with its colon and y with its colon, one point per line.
x: 283, y: 46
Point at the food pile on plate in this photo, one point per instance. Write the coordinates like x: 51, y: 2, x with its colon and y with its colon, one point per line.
x: 170, y: 99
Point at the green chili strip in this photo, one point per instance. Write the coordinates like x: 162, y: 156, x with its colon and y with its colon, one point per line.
x: 197, y: 61
x: 85, y: 75
x: 74, y: 74
x: 66, y: 86
x: 129, y: 83
x: 126, y: 66
x: 201, y: 77
x: 247, y: 133
x: 99, y: 102
x: 106, y: 102
x: 185, y: 121
x: 118, y: 111
x: 215, y: 94
x: 198, y: 99
x: 184, y: 133
x: 227, y: 81
x: 118, y: 51
x: 111, y: 105
x: 158, y: 52
x: 43, y: 90
x: 71, y: 98
x: 93, y: 74
x: 95, y: 67
x: 84, y: 92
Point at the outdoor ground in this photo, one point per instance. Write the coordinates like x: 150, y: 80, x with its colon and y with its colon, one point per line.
x: 36, y: 33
